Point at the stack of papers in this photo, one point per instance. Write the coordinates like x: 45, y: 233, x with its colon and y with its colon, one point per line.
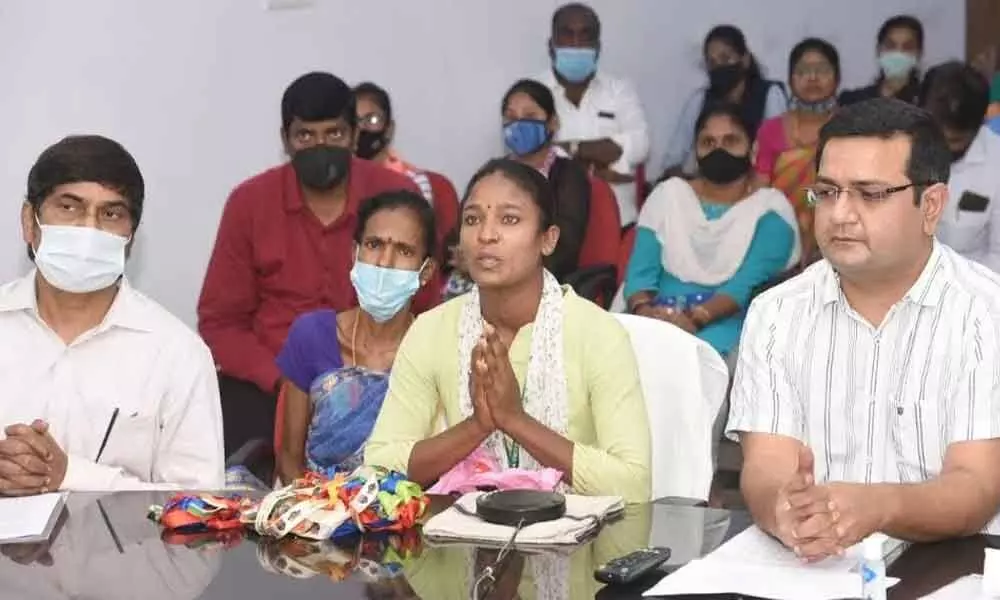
x: 30, y: 518
x: 754, y: 564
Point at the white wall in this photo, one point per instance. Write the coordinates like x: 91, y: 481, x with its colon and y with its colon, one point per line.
x: 192, y: 87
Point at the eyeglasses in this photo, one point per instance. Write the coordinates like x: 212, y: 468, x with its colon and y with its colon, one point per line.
x: 813, y: 71
x: 372, y: 121
x: 824, y: 193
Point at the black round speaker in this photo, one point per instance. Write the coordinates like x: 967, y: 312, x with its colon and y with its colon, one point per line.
x: 513, y: 507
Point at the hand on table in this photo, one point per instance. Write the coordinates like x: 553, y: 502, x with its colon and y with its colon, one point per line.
x: 31, y: 462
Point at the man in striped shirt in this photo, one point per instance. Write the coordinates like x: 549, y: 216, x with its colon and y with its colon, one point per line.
x: 867, y: 393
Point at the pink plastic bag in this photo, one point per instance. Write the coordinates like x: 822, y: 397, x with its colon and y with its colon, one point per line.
x: 481, y: 470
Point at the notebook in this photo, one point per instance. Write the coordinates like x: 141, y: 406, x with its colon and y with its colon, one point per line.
x: 29, y: 519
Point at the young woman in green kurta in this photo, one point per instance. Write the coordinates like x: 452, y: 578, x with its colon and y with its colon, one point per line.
x: 520, y: 365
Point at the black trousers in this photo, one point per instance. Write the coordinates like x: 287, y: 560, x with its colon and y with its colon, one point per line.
x: 247, y: 413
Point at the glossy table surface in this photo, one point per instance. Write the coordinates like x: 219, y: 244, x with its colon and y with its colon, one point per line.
x: 105, y: 547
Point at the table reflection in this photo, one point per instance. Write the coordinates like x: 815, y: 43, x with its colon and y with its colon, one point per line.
x: 101, y: 549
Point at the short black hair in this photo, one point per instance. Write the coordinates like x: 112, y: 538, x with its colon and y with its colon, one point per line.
x: 828, y: 50
x: 376, y: 93
x: 956, y: 94
x: 930, y: 159
x: 526, y: 178
x: 727, y: 109
x: 397, y: 199
x: 87, y: 158
x: 538, y: 92
x: 566, y: 10
x: 902, y: 22
x: 318, y: 96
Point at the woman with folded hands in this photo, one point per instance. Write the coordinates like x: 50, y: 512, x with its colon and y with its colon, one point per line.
x: 519, y: 366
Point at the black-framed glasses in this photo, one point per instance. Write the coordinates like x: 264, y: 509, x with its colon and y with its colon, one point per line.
x: 817, y: 194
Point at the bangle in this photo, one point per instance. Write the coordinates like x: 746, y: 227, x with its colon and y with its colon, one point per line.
x: 701, y: 316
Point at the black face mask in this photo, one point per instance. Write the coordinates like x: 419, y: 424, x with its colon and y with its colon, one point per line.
x: 721, y: 167
x: 370, y: 143
x: 957, y: 155
x: 722, y: 80
x: 322, y: 167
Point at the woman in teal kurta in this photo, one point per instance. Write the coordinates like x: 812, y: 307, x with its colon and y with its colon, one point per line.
x: 703, y: 246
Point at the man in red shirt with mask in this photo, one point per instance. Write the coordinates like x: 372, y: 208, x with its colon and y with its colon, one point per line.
x: 285, y: 247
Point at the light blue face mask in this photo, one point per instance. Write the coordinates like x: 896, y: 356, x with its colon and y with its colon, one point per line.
x: 525, y: 136
x: 896, y: 64
x: 383, y: 292
x: 575, y: 64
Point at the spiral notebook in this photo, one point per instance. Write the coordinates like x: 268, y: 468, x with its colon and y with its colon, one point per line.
x: 29, y: 519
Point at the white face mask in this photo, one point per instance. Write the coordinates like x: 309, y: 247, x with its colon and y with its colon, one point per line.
x: 80, y: 260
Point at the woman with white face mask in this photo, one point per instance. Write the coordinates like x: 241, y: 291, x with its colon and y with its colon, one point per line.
x: 336, y: 365
x: 900, y: 47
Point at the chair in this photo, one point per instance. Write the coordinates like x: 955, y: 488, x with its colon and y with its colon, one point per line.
x: 597, y: 274
x: 682, y: 402
x: 625, y: 252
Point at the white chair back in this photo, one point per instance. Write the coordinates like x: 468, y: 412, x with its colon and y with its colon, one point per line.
x: 684, y: 381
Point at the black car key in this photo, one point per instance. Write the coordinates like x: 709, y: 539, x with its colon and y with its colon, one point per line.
x: 632, y: 566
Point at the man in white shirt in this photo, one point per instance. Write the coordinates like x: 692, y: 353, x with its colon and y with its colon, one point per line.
x: 867, y: 392
x: 957, y: 96
x: 103, y: 388
x: 601, y: 121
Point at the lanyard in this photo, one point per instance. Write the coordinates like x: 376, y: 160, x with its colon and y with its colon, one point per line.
x: 511, y: 449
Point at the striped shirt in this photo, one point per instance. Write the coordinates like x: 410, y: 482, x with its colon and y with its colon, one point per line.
x: 875, y: 404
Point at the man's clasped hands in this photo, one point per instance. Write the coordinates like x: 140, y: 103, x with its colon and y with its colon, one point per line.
x: 31, y: 461
x: 820, y: 521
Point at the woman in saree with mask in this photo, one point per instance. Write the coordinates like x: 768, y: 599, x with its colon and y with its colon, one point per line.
x: 336, y: 365
x: 786, y: 145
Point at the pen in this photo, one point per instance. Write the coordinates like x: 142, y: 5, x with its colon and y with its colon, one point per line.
x: 107, y: 434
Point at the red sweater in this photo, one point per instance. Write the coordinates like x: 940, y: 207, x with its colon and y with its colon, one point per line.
x: 274, y: 260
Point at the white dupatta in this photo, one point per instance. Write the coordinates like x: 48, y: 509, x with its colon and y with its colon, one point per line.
x: 703, y: 251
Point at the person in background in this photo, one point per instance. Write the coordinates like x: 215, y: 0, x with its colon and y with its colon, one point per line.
x: 284, y: 248
x: 734, y: 76
x: 900, y: 46
x: 376, y: 131
x: 530, y: 124
x: 786, y: 145
x: 993, y: 112
x: 336, y: 365
x: 702, y: 247
x: 956, y: 95
x: 103, y: 389
x: 601, y: 121
x: 867, y: 390
x: 520, y: 366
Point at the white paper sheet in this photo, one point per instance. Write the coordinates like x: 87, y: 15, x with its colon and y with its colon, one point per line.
x: 754, y: 564
x: 28, y: 518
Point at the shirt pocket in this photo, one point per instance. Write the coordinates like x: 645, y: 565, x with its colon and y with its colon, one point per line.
x: 132, y: 444
x: 608, y: 123
x: 966, y: 230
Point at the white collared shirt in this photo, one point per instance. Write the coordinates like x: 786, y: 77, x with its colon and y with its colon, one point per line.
x: 874, y: 404
x: 975, y: 234
x: 610, y: 108
x: 140, y: 360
